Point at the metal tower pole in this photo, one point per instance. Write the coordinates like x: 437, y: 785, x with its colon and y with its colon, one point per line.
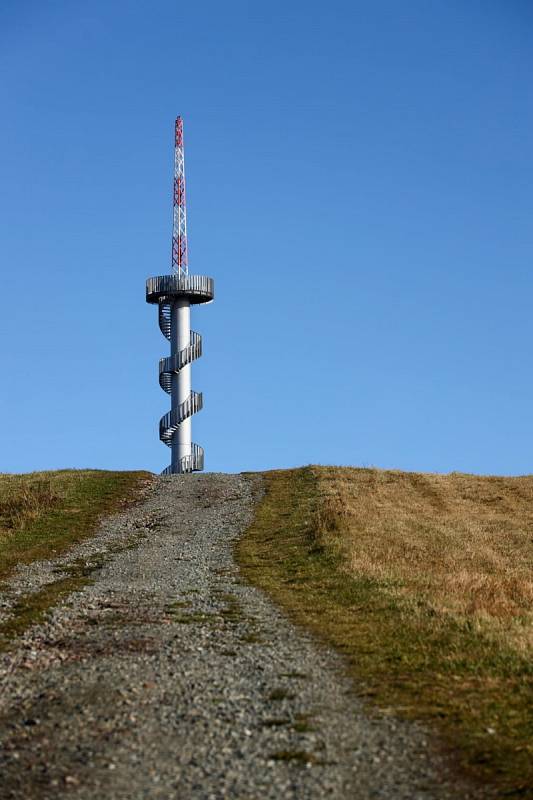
x: 174, y: 294
x: 180, y: 333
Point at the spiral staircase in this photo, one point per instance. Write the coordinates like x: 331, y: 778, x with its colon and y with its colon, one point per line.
x: 163, y: 290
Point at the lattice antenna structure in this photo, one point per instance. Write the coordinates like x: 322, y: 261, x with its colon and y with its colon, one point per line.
x: 179, y: 229
x: 174, y: 295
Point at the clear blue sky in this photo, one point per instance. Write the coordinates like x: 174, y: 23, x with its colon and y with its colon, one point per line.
x: 359, y: 185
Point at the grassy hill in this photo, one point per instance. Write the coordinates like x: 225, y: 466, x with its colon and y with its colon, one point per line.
x: 424, y: 582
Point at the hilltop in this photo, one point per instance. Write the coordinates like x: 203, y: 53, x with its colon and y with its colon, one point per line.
x: 421, y: 582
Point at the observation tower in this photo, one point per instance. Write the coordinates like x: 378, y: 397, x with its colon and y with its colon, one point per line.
x: 175, y: 294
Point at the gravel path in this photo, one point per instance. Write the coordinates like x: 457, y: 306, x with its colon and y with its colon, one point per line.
x: 169, y: 677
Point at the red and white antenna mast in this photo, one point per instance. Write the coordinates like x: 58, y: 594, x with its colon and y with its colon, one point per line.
x: 179, y: 229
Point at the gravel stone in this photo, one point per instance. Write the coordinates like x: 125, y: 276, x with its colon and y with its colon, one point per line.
x: 170, y: 677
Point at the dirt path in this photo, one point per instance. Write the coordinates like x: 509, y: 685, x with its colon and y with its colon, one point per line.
x: 169, y: 677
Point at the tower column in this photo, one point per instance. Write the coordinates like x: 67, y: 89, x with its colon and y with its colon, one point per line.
x: 175, y: 294
x: 180, y: 338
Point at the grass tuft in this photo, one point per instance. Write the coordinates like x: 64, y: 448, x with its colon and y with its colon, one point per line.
x: 299, y: 756
x: 280, y: 693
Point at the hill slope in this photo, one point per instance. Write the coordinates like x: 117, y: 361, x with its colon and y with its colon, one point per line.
x: 424, y: 582
x: 168, y: 676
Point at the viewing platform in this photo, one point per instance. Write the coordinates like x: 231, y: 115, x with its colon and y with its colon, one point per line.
x: 166, y: 288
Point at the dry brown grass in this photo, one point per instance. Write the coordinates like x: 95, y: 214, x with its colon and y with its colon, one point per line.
x: 462, y: 544
x: 24, y: 498
x: 422, y: 583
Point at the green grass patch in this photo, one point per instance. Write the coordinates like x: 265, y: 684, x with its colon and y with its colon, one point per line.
x: 31, y: 609
x: 276, y: 722
x: 43, y: 514
x: 178, y: 604
x: 303, y: 723
x: 193, y: 618
x: 252, y: 638
x: 297, y: 756
x: 280, y: 693
x: 232, y: 611
x: 405, y: 656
